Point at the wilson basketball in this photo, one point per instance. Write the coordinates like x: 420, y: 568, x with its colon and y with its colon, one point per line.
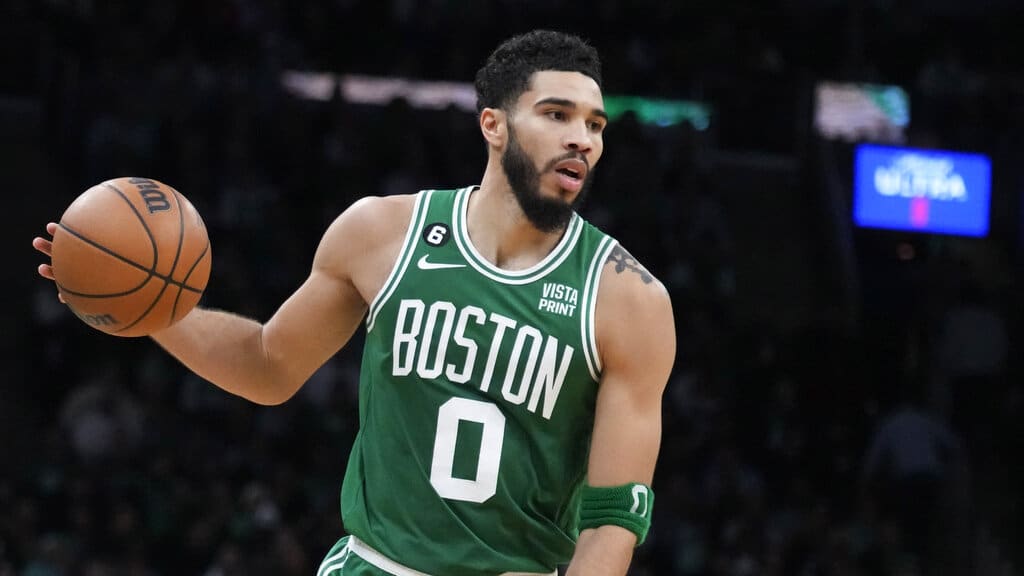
x: 131, y: 256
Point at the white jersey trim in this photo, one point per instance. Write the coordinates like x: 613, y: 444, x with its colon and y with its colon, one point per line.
x: 419, y: 215
x: 359, y: 548
x: 588, y: 326
x: 553, y: 260
x: 335, y: 562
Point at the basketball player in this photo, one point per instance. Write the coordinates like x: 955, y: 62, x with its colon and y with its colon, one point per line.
x: 515, y: 356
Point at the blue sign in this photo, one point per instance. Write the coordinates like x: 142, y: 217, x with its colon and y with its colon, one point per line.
x: 922, y: 190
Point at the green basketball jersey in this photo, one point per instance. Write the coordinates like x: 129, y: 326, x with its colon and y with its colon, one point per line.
x: 476, y: 401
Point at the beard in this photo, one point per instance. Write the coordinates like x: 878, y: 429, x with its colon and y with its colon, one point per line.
x: 546, y: 214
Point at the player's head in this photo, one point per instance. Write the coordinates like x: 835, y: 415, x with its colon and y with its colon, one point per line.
x: 510, y: 68
x: 541, y: 110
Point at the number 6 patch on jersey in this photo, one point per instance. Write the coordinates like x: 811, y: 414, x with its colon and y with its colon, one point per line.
x: 436, y: 234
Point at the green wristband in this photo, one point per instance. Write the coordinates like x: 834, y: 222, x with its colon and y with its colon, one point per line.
x: 628, y: 506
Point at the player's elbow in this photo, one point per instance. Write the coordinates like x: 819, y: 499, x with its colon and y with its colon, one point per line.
x: 278, y: 385
x: 277, y: 380
x: 269, y: 399
x: 273, y: 390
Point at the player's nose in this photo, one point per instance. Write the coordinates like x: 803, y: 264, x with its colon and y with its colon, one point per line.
x: 578, y: 137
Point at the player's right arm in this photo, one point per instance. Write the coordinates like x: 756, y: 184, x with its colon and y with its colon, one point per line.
x: 268, y: 362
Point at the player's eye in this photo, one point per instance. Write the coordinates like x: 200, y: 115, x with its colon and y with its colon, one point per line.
x: 556, y: 115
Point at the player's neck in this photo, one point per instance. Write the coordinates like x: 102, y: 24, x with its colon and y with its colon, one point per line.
x: 501, y: 232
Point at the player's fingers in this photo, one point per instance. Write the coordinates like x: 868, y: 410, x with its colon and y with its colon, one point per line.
x: 51, y: 228
x: 46, y: 271
x: 43, y: 245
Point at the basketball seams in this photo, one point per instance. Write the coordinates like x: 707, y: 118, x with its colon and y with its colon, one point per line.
x: 152, y: 273
x: 177, y: 256
x: 192, y: 268
x: 99, y: 248
x: 174, y: 264
x: 174, y: 309
x: 70, y: 292
x: 146, y: 311
x: 184, y: 281
x: 109, y: 252
x: 156, y: 256
x: 181, y: 234
x: 149, y: 233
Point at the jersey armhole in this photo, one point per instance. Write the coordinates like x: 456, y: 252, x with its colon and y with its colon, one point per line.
x: 588, y: 330
x: 419, y: 214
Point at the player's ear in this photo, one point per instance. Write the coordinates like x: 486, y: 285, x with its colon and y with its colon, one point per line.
x: 493, y: 125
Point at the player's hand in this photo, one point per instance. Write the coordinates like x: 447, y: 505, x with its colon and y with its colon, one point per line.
x: 46, y: 247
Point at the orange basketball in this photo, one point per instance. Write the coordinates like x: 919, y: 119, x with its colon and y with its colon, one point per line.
x: 131, y: 256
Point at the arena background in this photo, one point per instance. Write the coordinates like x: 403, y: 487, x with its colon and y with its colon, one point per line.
x: 790, y: 447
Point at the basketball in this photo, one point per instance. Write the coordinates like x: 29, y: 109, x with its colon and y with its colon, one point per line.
x: 131, y: 256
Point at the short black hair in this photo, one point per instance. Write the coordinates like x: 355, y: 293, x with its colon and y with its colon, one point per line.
x: 507, y: 72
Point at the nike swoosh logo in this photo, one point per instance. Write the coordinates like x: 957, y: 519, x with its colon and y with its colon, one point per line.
x: 422, y: 264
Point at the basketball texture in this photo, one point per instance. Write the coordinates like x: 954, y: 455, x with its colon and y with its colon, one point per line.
x: 131, y: 256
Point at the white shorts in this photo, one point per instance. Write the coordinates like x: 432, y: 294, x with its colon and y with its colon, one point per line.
x: 352, y: 556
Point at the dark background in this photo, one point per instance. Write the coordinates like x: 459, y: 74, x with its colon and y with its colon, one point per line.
x: 844, y: 401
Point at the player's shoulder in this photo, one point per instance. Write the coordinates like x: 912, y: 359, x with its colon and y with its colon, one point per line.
x: 365, y: 233
x: 630, y: 297
x: 626, y: 281
x: 382, y: 210
x: 373, y: 219
x: 634, y: 318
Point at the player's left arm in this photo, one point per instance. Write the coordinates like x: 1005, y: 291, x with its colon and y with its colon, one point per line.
x: 637, y: 345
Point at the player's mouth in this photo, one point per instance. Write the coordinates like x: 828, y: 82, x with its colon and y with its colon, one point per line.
x: 571, y: 174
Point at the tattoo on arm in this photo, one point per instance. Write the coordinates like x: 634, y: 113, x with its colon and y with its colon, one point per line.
x: 624, y: 261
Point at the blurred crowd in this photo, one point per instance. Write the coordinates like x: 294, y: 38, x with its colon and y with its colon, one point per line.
x: 821, y: 420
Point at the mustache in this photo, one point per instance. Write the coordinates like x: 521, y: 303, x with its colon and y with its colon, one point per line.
x: 567, y: 156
